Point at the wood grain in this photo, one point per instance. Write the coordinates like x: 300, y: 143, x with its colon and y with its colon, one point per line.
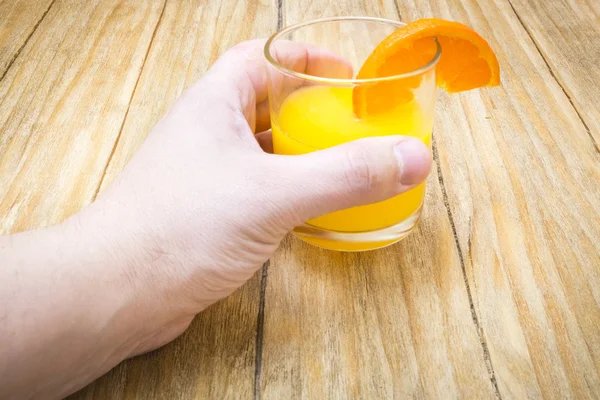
x: 394, y: 323
x: 19, y: 20
x: 302, y: 10
x: 566, y: 33
x: 216, y: 356
x: 62, y: 104
x: 519, y: 171
x: 193, y: 33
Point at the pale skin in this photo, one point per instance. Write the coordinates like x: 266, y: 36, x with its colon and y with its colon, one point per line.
x: 197, y: 211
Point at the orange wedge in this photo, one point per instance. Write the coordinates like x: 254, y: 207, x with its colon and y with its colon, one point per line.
x: 467, y: 62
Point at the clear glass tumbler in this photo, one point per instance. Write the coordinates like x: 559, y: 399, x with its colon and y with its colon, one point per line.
x: 314, y: 101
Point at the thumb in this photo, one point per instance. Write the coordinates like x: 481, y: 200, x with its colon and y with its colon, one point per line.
x: 361, y: 172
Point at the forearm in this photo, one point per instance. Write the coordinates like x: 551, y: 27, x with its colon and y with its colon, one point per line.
x: 66, y: 311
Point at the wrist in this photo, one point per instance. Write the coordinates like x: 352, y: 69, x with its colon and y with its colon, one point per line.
x: 105, y: 307
x: 109, y: 266
x: 135, y: 272
x: 62, y: 281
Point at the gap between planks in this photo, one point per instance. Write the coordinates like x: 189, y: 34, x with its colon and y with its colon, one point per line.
x: 484, y: 347
x: 16, y: 55
x: 118, y: 139
x: 263, y: 282
x: 555, y: 77
x: 259, y: 330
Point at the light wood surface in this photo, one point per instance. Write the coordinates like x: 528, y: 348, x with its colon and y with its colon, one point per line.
x: 495, y: 295
x: 19, y: 20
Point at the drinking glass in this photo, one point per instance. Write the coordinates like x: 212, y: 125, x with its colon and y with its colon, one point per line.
x: 315, y: 103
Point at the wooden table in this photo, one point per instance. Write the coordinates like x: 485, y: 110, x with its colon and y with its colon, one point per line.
x: 496, y: 295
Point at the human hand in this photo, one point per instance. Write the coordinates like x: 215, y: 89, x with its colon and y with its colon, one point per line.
x: 202, y: 205
x: 195, y: 213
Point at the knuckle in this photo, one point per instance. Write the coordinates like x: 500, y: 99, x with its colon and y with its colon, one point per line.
x: 361, y: 174
x: 250, y: 49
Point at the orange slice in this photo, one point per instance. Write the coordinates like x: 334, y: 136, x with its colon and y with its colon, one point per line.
x: 467, y: 62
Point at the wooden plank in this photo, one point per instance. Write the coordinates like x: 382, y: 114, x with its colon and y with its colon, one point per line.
x: 567, y: 33
x: 215, y: 358
x: 18, y: 21
x: 302, y: 10
x: 521, y: 173
x: 192, y: 35
x: 62, y: 104
x: 393, y: 323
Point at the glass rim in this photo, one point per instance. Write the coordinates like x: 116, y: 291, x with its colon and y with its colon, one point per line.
x: 343, y: 81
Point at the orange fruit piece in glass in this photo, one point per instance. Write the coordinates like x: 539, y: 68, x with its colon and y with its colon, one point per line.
x: 467, y: 62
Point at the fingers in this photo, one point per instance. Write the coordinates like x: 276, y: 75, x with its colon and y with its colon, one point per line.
x: 265, y: 141
x: 356, y: 173
x: 263, y: 117
x: 310, y: 60
x: 305, y: 59
x: 238, y: 79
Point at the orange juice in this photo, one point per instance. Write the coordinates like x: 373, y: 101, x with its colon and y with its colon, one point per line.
x: 317, y: 117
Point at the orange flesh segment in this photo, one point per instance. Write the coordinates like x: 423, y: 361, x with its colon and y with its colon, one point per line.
x: 467, y: 62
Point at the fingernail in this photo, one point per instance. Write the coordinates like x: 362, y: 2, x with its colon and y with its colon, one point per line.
x: 414, y: 160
